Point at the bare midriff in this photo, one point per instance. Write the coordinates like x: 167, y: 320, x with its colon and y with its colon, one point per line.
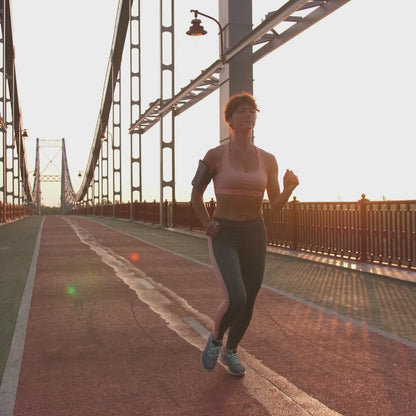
x: 238, y: 207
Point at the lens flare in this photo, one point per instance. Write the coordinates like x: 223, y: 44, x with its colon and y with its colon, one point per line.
x: 71, y: 290
x: 134, y: 257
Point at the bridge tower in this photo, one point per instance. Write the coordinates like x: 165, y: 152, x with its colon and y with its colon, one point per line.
x: 51, y: 166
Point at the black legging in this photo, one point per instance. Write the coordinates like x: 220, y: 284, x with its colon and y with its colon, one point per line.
x: 238, y: 254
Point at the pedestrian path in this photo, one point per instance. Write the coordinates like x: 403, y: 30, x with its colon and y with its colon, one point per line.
x: 120, y: 311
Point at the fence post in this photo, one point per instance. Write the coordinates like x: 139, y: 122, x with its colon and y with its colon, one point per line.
x: 173, y: 210
x: 166, y: 214
x: 211, y: 207
x: 363, y: 230
x: 191, y: 216
x: 294, y: 226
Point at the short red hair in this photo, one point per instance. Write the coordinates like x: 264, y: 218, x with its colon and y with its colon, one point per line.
x: 235, y: 101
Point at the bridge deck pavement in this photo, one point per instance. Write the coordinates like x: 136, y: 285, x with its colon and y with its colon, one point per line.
x: 119, y: 313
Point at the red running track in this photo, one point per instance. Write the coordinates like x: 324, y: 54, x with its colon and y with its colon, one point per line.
x: 109, y: 334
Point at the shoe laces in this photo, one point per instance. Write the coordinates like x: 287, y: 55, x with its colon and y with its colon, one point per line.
x: 233, y: 357
x: 213, y: 350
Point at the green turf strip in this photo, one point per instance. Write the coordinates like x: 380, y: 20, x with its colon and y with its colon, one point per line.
x: 17, y: 243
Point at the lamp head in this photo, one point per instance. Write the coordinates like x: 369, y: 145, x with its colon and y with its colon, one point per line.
x: 196, y: 29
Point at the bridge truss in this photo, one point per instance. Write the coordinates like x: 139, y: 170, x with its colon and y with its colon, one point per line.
x: 102, y: 182
x: 276, y: 29
x: 16, y: 196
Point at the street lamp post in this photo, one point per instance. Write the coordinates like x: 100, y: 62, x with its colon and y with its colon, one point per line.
x: 236, y: 73
x: 197, y: 30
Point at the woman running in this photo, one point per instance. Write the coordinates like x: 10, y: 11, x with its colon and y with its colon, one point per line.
x: 236, y: 233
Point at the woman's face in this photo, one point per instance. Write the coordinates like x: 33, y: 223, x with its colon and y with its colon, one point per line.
x: 244, y: 117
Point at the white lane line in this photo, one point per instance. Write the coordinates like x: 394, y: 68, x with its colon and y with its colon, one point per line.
x: 146, y: 284
x: 198, y: 327
x: 274, y: 392
x: 10, y: 381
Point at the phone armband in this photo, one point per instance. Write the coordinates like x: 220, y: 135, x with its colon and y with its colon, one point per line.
x: 202, y: 176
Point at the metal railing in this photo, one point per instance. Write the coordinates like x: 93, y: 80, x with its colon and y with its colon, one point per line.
x: 10, y: 212
x: 367, y: 231
x: 382, y: 232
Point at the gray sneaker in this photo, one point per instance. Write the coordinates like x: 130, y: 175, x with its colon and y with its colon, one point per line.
x: 210, y: 354
x: 233, y: 362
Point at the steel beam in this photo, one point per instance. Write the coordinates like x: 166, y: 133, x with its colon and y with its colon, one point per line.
x: 198, y: 89
x: 135, y: 103
x: 113, y: 67
x: 68, y: 196
x: 116, y: 140
x: 320, y: 10
x: 167, y: 89
x: 302, y: 13
x: 13, y: 143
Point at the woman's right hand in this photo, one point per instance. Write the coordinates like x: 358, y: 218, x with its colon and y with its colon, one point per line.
x: 212, y: 228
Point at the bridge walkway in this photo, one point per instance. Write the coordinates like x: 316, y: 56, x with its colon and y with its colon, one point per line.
x: 108, y: 317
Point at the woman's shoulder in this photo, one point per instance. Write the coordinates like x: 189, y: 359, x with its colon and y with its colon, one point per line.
x: 214, y: 156
x: 268, y: 158
x: 215, y: 152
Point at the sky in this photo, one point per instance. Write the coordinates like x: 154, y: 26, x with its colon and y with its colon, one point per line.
x: 337, y: 103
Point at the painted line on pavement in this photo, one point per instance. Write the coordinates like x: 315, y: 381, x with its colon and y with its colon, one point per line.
x: 198, y: 327
x: 146, y: 284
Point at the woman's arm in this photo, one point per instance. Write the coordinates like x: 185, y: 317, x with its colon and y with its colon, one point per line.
x: 197, y: 199
x: 197, y: 195
x: 290, y: 182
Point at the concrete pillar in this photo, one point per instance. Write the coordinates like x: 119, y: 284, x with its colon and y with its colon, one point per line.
x: 236, y: 76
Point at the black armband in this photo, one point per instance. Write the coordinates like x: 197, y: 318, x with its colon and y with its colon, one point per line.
x: 202, y: 176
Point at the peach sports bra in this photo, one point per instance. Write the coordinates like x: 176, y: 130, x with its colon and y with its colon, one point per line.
x: 231, y: 181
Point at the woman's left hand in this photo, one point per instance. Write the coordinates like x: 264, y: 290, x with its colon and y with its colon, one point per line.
x: 212, y: 228
x: 290, y: 180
